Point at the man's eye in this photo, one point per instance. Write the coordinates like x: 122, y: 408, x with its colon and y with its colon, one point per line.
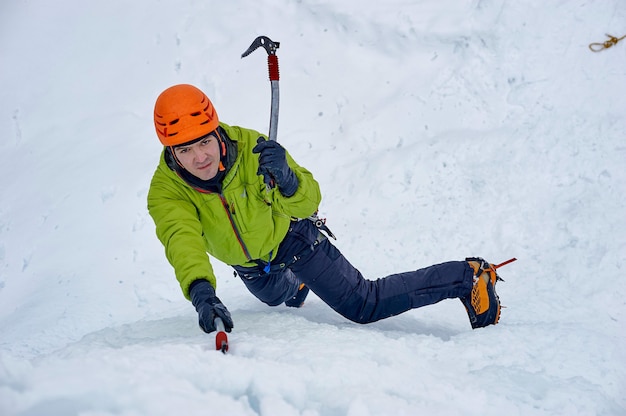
x: 184, y: 150
x: 205, y: 141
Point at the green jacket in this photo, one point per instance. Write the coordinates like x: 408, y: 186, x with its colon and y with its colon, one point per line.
x: 244, y: 223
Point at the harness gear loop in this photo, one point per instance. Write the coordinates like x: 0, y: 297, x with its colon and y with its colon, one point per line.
x: 267, y: 268
x: 597, y: 46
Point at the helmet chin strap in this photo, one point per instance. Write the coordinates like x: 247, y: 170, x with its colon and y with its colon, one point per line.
x: 223, y: 150
x: 173, y: 152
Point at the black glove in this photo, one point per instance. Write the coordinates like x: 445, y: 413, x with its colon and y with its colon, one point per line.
x: 209, y: 306
x: 274, y: 168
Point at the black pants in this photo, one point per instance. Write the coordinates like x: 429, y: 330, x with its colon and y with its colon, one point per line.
x: 323, y: 268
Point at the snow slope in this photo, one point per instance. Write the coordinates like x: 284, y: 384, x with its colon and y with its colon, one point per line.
x: 437, y: 130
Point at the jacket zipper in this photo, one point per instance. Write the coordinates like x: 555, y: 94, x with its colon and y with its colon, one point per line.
x: 234, y: 227
x: 230, y: 218
x: 232, y: 221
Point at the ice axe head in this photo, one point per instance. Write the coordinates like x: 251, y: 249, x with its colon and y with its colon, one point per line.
x: 269, y: 45
x: 274, y: 75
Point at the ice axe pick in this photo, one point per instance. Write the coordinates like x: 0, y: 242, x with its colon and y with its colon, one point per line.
x: 272, y: 65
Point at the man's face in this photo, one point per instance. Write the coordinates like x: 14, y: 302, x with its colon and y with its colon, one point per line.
x: 201, y: 159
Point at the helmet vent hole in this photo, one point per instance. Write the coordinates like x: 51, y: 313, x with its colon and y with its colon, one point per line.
x: 196, y: 114
x: 174, y: 121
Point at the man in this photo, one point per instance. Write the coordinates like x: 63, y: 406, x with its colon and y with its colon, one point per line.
x: 243, y: 199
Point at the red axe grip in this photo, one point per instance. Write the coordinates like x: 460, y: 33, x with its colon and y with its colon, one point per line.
x: 221, y: 341
x: 272, y: 64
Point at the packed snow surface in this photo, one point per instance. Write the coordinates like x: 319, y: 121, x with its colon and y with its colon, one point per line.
x: 437, y: 129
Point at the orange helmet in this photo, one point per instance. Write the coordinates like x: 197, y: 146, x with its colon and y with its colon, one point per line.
x: 183, y: 113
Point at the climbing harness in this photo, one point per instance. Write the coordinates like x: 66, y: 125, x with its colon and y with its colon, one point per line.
x: 264, y: 268
x: 597, y: 47
x: 269, y: 267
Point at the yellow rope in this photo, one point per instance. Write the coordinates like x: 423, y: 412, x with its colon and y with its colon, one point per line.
x: 597, y: 47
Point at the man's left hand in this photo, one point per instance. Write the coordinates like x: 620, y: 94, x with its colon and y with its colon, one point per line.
x: 274, y: 168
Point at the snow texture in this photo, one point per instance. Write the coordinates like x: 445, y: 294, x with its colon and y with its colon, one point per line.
x: 437, y: 129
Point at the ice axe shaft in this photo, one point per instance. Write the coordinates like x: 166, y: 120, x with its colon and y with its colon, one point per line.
x: 272, y: 65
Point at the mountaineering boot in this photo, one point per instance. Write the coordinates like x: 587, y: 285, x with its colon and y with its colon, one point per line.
x: 298, y: 300
x: 483, y: 304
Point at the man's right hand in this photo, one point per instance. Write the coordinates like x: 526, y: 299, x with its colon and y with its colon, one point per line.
x: 209, y: 306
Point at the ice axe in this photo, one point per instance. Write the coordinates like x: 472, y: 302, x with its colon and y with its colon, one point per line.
x: 272, y: 65
x: 221, y: 339
x: 497, y: 266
